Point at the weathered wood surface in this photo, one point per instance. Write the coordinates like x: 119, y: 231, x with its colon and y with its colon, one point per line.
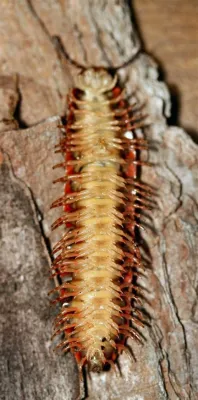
x: 38, y: 42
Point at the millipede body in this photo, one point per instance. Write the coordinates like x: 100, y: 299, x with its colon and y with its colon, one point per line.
x: 97, y: 259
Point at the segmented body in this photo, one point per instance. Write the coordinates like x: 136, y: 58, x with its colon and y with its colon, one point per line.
x: 97, y: 258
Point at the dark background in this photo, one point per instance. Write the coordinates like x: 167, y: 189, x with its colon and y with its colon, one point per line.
x: 169, y: 30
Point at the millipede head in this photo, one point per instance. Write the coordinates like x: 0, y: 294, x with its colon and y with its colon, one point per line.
x: 96, y: 80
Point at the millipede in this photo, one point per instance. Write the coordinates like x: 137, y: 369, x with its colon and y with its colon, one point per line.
x: 97, y: 260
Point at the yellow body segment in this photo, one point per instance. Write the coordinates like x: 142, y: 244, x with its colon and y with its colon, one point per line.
x: 99, y: 238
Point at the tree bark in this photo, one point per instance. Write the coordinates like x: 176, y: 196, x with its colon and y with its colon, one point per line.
x: 43, y: 45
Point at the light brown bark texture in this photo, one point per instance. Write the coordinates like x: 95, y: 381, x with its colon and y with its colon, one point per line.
x: 39, y: 41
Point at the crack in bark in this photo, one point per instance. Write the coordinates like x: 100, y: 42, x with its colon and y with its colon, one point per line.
x: 190, y: 234
x: 120, y: 50
x: 160, y: 356
x: 175, y: 312
x: 171, y: 301
x: 41, y: 23
x: 174, y: 211
x: 40, y: 218
x: 60, y: 49
x: 186, y: 353
x: 80, y: 36
x: 17, y: 112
